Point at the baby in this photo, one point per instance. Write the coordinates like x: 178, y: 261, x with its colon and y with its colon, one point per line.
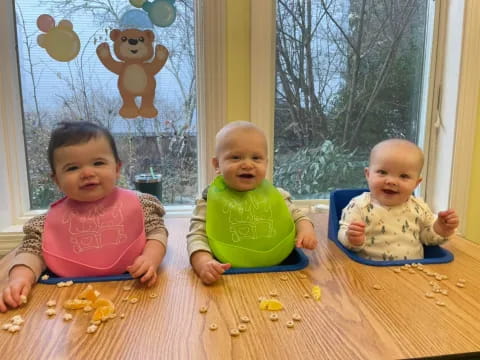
x: 97, y: 228
x: 242, y: 220
x: 389, y: 223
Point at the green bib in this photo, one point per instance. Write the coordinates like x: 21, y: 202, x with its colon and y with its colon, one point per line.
x: 248, y: 228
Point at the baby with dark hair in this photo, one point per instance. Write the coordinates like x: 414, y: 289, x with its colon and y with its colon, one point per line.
x: 97, y: 229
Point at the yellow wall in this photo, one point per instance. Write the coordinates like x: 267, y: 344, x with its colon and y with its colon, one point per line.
x: 473, y: 224
x: 238, y: 60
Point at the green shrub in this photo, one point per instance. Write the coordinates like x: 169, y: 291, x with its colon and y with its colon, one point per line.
x: 313, y: 172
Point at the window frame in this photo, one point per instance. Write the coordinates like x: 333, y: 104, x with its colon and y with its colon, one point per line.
x: 212, y: 80
x: 438, y: 140
x: 211, y: 70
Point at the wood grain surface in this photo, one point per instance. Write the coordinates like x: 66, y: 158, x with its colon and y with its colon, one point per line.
x: 351, y: 321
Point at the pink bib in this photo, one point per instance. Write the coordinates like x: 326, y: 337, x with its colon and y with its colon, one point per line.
x: 94, y: 239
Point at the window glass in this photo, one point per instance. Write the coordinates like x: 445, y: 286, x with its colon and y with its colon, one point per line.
x: 82, y: 89
x: 348, y: 75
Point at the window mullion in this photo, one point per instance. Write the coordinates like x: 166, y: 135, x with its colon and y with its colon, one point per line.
x: 211, y: 82
x: 13, y: 175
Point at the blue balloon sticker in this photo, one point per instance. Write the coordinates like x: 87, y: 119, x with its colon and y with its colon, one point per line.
x: 135, y: 19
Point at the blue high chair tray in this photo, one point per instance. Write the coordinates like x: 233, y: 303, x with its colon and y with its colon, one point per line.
x: 54, y: 279
x: 297, y: 260
x: 339, y: 199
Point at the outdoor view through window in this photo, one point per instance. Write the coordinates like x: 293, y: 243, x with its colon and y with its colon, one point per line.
x: 83, y: 89
x: 348, y: 74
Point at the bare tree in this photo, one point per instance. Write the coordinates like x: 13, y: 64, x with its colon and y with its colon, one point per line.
x: 333, y: 59
x: 30, y: 68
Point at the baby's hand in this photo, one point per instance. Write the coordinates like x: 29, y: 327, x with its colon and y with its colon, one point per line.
x: 306, y: 237
x: 210, y: 271
x: 446, y: 223
x: 356, y: 233
x: 20, y: 284
x: 144, y: 268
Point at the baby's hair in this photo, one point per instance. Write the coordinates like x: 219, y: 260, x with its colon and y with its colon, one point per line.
x: 235, y: 125
x: 68, y: 133
x: 402, y: 142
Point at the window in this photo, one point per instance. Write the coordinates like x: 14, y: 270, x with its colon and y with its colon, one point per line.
x: 211, y: 79
x: 349, y: 74
x: 83, y: 89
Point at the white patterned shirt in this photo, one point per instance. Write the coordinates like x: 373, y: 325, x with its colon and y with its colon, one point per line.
x: 391, y: 233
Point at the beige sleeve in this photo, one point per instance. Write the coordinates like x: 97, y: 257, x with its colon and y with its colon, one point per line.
x: 297, y: 213
x: 153, y: 213
x: 29, y: 253
x: 197, y: 235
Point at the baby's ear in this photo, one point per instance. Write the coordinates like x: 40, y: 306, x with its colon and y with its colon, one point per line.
x: 366, y: 172
x: 53, y: 176
x: 215, y: 165
x: 419, y: 180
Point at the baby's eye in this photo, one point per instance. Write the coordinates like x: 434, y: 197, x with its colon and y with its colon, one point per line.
x: 71, y: 168
x: 257, y: 158
x: 381, y: 172
x: 405, y: 176
x: 235, y: 157
x: 141, y: 39
x: 99, y: 163
x: 124, y: 38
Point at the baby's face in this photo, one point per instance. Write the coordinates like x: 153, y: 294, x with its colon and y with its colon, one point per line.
x: 86, y: 172
x: 393, y: 175
x: 242, y: 159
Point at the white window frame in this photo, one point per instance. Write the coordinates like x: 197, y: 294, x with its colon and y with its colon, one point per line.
x: 211, y: 82
x: 211, y: 70
x: 446, y: 175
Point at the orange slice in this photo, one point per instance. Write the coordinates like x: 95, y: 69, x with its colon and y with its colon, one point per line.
x: 102, y: 313
x: 271, y: 304
x: 100, y: 302
x: 76, y: 304
x: 89, y: 294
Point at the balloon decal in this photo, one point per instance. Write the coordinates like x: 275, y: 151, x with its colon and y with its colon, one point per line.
x: 161, y: 12
x: 135, y: 19
x: 60, y: 42
x: 137, y: 3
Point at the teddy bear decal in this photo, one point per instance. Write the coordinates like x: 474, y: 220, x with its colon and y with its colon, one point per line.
x: 136, y: 70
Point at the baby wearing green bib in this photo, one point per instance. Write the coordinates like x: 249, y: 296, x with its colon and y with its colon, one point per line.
x: 248, y: 228
x: 242, y: 220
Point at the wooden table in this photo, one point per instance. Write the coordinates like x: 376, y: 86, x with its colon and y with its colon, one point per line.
x: 352, y: 321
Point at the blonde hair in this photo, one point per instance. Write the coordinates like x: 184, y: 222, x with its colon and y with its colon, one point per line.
x: 231, y: 127
x: 407, y: 144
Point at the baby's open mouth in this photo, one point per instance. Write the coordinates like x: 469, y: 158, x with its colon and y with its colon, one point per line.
x: 246, y: 176
x: 389, y: 192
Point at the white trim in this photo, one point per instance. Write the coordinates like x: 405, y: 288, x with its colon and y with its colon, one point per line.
x: 9, y: 241
x: 431, y: 84
x: 13, y: 170
x: 442, y: 186
x: 212, y: 82
x: 466, y: 113
x: 262, y: 74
